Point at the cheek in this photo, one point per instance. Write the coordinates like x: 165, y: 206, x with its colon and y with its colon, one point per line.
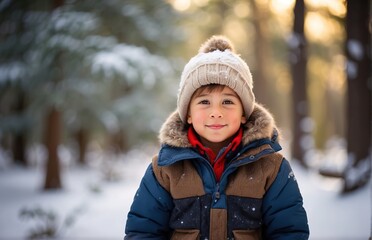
x: 195, y: 117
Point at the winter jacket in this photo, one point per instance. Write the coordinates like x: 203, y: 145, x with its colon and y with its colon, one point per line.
x: 257, y: 196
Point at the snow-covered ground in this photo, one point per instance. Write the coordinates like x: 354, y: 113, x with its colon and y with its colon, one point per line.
x: 100, y: 207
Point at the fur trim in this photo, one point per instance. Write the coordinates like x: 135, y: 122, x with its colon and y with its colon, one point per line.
x: 260, y: 124
x: 174, y: 132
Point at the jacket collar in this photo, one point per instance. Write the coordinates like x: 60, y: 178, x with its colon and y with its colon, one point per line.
x: 195, y: 142
x: 260, y: 125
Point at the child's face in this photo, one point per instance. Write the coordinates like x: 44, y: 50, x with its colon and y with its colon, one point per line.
x: 216, y: 115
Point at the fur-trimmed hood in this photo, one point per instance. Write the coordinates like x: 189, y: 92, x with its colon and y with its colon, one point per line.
x: 260, y: 125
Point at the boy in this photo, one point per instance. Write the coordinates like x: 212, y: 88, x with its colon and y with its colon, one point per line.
x: 218, y: 174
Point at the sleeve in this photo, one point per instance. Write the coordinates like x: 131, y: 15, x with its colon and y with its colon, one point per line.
x: 149, y: 214
x: 283, y: 214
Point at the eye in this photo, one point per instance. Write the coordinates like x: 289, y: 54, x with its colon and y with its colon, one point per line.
x: 203, y: 102
x: 227, y: 102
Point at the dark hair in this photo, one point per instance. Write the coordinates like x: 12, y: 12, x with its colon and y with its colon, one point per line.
x: 208, y: 88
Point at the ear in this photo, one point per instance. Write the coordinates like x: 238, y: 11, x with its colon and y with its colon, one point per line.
x: 189, y: 120
x: 244, y: 120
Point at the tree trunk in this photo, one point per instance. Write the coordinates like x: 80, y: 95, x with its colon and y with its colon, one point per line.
x: 19, y: 141
x: 298, y: 61
x: 359, y: 108
x: 261, y: 52
x: 53, y: 134
x: 118, y: 142
x: 19, y: 148
x: 82, y: 140
x: 8, y: 18
x: 53, y: 130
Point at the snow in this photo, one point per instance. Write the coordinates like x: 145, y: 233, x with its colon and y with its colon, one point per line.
x: 110, y: 62
x: 294, y: 40
x: 73, y: 21
x: 355, y: 49
x: 307, y: 124
x: 352, y: 69
x: 333, y: 215
x: 127, y: 61
x: 307, y: 141
x: 12, y: 71
x: 101, y: 206
x: 361, y: 169
x: 110, y: 121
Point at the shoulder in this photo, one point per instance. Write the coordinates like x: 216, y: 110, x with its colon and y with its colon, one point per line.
x: 180, y: 179
x: 268, y: 167
x: 271, y: 165
x: 284, y: 182
x: 255, y: 178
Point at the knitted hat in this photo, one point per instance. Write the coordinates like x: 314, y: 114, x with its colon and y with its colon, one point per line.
x: 216, y: 63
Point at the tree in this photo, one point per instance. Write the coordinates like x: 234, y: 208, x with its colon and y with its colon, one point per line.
x: 298, y: 60
x: 82, y: 73
x: 115, y: 71
x: 53, y: 123
x: 52, y: 141
x: 14, y: 122
x: 261, y: 52
x: 359, y: 105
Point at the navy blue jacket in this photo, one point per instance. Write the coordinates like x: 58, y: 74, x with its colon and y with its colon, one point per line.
x: 179, y: 197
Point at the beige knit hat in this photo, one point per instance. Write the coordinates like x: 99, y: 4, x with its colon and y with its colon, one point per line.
x: 216, y: 63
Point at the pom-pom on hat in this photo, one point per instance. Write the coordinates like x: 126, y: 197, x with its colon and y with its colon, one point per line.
x: 216, y: 63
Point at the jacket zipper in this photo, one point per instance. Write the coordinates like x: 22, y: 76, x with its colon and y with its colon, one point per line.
x: 217, y: 193
x: 252, y: 158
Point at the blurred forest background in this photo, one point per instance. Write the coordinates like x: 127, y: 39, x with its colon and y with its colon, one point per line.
x: 101, y: 76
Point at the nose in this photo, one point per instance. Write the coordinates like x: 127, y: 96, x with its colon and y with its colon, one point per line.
x: 215, y: 113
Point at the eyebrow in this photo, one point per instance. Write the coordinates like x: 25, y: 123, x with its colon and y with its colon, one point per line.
x: 230, y: 95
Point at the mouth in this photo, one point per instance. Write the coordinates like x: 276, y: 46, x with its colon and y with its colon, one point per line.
x: 216, y: 126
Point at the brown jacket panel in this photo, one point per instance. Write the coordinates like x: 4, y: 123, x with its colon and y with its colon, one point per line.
x: 181, y: 179
x: 254, y: 179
